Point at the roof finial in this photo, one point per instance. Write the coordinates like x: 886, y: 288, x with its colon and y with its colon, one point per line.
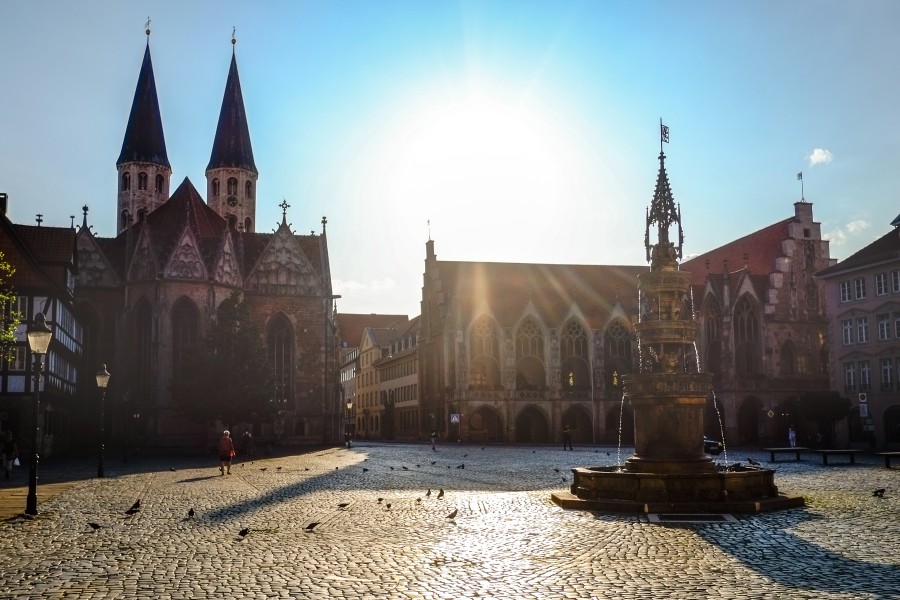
x: 39, y: 218
x: 147, y: 29
x: 429, y: 229
x: 84, y: 209
x: 72, y: 222
x: 663, y: 135
x: 324, y: 221
x: 233, y: 39
x: 284, y: 206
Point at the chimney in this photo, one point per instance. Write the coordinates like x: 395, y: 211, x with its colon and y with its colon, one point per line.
x: 4, y: 201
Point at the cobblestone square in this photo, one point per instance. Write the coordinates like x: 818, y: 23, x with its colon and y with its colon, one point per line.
x: 378, y: 532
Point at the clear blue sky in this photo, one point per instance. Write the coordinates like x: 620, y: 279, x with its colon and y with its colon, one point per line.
x: 523, y: 131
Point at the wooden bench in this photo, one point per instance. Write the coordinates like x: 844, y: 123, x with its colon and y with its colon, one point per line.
x: 785, y: 450
x: 849, y: 452
x: 887, y: 457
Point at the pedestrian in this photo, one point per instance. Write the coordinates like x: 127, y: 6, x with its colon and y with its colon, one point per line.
x: 792, y: 437
x: 226, y: 452
x: 567, y: 438
x: 433, y: 439
x: 247, y: 442
x: 9, y: 451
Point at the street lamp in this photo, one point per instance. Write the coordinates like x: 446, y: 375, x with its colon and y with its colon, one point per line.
x: 102, y: 382
x: 349, y: 428
x: 39, y: 336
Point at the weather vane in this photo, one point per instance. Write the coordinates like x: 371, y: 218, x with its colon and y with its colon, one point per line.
x: 147, y: 27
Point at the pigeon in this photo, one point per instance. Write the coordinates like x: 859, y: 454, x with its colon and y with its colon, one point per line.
x: 387, y: 505
x: 343, y: 505
x: 440, y: 493
x: 380, y: 499
x: 557, y: 470
x: 311, y: 526
x: 392, y: 468
x: 191, y: 512
x: 244, y: 531
x: 172, y: 469
x: 335, y: 468
x: 132, y: 511
x: 418, y: 499
x: 95, y: 526
x: 428, y: 493
x: 264, y: 468
x: 465, y: 456
x: 306, y: 469
x: 405, y: 469
x: 433, y: 462
x: 752, y: 462
x: 418, y: 466
x: 532, y: 451
x: 136, y: 505
x: 879, y: 493
x: 482, y: 447
x: 462, y: 466
x: 365, y: 470
x: 277, y: 468
x: 452, y: 515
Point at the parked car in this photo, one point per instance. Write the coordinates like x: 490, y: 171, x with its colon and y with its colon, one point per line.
x: 712, y: 446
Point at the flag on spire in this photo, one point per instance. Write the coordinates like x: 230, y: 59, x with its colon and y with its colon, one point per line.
x: 663, y: 132
x: 800, y: 175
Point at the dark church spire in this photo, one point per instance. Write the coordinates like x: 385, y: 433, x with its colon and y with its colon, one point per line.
x: 144, y: 139
x: 231, y: 148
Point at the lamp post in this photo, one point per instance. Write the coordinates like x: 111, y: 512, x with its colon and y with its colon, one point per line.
x: 39, y: 336
x: 326, y: 401
x: 349, y: 427
x: 102, y: 382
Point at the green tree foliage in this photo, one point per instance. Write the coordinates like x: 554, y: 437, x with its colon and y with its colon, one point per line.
x: 9, y: 318
x: 824, y: 406
x: 230, y: 377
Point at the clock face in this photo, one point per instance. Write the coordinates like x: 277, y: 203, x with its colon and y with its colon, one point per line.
x: 232, y: 200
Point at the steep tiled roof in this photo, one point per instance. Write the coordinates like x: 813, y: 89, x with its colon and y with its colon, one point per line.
x: 49, y: 244
x: 144, y: 140
x: 759, y: 250
x: 885, y: 248
x: 351, y: 325
x: 37, y: 253
x: 508, y: 289
x: 232, y: 147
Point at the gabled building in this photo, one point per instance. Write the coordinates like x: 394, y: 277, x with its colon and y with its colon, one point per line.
x: 862, y: 295
x: 148, y: 294
x: 45, y: 264
x: 398, y: 389
x: 763, y: 328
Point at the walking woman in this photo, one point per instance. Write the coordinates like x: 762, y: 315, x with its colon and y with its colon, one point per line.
x: 226, y: 452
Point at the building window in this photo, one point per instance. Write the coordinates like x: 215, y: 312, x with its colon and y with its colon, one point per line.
x: 847, y: 331
x: 215, y: 187
x: 881, y: 284
x: 887, y: 374
x: 248, y: 189
x: 746, y: 337
x: 845, y: 291
x: 185, y: 326
x: 248, y: 225
x: 884, y: 327
x: 232, y: 186
x: 126, y: 218
x: 895, y: 281
x: 159, y: 184
x: 18, y: 360
x: 280, y: 342
x: 865, y: 376
x: 529, y: 356
x: 859, y: 285
x: 142, y: 181
x: 573, y: 350
x: 897, y: 325
x: 126, y: 181
x: 849, y: 377
x: 484, y: 351
x: 618, y: 350
x: 862, y: 330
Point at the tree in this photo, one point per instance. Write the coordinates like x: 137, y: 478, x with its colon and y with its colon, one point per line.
x: 230, y: 378
x: 9, y: 318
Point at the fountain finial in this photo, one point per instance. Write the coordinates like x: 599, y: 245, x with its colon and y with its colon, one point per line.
x: 664, y: 213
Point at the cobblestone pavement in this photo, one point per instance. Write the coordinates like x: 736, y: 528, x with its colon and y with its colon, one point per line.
x: 380, y: 535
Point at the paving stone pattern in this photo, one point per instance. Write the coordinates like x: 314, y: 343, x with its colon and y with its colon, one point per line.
x: 507, y: 540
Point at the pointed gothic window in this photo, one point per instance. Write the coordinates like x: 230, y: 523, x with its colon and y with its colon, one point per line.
x: 530, y: 356
x: 126, y: 181
x: 160, y: 180
x: 573, y: 355
x: 232, y: 186
x: 248, y: 225
x: 142, y: 181
x: 126, y: 218
x: 248, y: 189
x: 484, y: 355
x: 185, y: 326
x: 746, y: 338
x: 215, y: 187
x: 142, y: 354
x: 618, y: 348
x: 280, y: 342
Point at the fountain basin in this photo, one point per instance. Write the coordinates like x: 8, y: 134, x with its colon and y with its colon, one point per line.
x: 615, y: 490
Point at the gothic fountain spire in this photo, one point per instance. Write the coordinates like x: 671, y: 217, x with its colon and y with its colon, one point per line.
x: 663, y: 212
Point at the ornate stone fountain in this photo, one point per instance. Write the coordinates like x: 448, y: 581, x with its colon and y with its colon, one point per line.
x: 669, y: 471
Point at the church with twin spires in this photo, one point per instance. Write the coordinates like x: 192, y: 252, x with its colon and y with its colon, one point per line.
x: 147, y: 295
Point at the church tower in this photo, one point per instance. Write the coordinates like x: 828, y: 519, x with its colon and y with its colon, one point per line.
x: 143, y: 165
x: 231, y: 174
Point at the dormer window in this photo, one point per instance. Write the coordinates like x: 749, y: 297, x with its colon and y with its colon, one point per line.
x: 215, y: 187
x: 126, y: 181
x: 142, y: 181
x: 232, y: 186
x: 159, y: 184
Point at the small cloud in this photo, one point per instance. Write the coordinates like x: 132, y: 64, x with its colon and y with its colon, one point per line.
x: 820, y: 156
x: 842, y: 235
